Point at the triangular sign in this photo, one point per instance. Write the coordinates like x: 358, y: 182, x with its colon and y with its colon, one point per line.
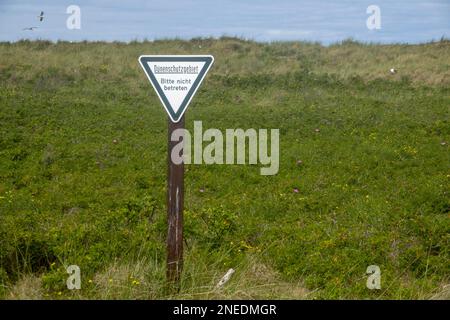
x: 176, y: 79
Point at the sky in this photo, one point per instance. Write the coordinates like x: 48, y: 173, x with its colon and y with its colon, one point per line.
x: 401, y: 21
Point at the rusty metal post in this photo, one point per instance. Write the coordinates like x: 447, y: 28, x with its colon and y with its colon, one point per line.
x: 175, y: 200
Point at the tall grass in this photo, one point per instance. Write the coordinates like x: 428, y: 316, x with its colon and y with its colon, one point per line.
x: 83, y: 171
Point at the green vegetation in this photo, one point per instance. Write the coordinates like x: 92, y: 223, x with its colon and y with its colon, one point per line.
x: 83, y: 171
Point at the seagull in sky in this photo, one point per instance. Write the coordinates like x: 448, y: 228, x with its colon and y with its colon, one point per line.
x: 41, y: 16
x: 30, y: 28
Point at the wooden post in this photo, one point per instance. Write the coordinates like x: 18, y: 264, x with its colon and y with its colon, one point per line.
x: 175, y: 200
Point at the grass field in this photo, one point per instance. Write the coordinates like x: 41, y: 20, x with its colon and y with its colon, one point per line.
x: 83, y: 172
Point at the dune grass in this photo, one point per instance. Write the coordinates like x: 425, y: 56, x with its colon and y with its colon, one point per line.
x: 83, y: 172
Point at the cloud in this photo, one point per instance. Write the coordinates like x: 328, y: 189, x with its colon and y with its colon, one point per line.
x: 410, y: 21
x: 289, y: 33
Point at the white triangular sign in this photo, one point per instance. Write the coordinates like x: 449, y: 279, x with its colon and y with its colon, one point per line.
x: 176, y: 79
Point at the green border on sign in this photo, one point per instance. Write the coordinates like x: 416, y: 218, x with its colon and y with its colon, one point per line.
x: 144, y: 61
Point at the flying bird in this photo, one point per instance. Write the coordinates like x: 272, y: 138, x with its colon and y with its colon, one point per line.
x: 30, y: 28
x: 41, y: 16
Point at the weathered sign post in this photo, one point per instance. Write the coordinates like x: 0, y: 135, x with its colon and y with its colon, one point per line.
x: 175, y: 80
